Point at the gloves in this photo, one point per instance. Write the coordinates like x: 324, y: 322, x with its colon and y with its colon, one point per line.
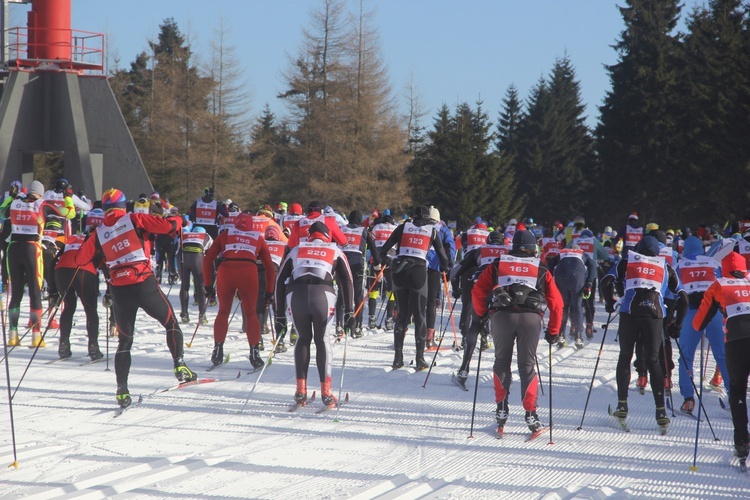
x: 587, y: 290
x: 456, y: 293
x: 210, y: 292
x: 377, y: 268
x: 107, y: 300
x: 446, y: 268
x: 268, y: 297
x: 609, y: 307
x: 350, y: 322
x: 280, y: 324
x: 673, y: 330
x: 54, y: 299
x: 551, y: 339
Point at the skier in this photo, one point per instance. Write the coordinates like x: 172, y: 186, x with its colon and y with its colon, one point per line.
x: 81, y: 282
x: 731, y: 295
x: 413, y: 240
x: 52, y: 241
x: 304, y: 290
x: 697, y: 272
x: 13, y: 191
x: 276, y: 243
x: 641, y: 280
x: 237, y: 251
x: 510, y: 294
x: 205, y: 212
x: 435, y: 278
x: 574, y: 275
x: 630, y: 234
x: 299, y: 229
x: 381, y: 231
x: 28, y: 215
x: 289, y: 220
x: 463, y: 276
x: 195, y: 241
x: 227, y: 221
x: 359, y: 240
x: 119, y: 241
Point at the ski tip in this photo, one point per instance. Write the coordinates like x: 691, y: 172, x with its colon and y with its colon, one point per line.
x: 346, y: 399
x: 239, y: 374
x: 312, y: 398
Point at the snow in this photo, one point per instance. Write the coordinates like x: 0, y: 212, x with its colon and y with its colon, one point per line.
x: 395, y: 438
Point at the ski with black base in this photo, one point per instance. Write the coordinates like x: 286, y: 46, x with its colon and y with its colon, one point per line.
x: 458, y: 382
x: 198, y: 381
x: 69, y: 358
x: 620, y: 421
x: 296, y: 406
x: 333, y: 406
x: 690, y: 414
x: 213, y: 367
x: 120, y: 411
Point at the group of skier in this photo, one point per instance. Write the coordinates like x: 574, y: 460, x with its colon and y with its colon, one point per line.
x: 312, y: 269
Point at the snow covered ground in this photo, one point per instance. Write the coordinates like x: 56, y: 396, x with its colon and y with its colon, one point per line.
x: 394, y: 439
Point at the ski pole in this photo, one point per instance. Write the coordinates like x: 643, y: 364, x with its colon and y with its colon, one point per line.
x: 698, y: 423
x: 369, y: 290
x: 538, y: 374
x: 107, y: 337
x: 382, y: 311
x: 700, y: 400
x: 341, y: 383
x: 450, y: 316
x: 10, y: 397
x: 200, y: 320
x: 234, y: 312
x: 271, y: 354
x: 596, y: 366
x: 667, y: 387
x: 476, y: 389
x: 440, y: 342
x: 550, y: 395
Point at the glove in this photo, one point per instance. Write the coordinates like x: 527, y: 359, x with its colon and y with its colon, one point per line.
x: 54, y: 300
x: 587, y: 290
x: 673, y: 330
x: 350, y: 322
x: 210, y: 292
x: 609, y: 307
x: 107, y: 300
x: 377, y: 268
x: 456, y: 293
x: 445, y: 268
x: 268, y: 297
x: 280, y: 324
x: 551, y: 339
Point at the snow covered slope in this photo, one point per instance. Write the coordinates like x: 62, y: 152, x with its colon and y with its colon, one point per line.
x: 394, y: 439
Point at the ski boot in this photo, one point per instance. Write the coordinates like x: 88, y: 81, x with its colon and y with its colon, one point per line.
x: 419, y: 362
x: 326, y: 396
x: 123, y: 396
x: 340, y: 333
x: 300, y: 396
x: 716, y: 380
x: 578, y: 342
x: 532, y: 420
x: 212, y: 301
x: 63, y: 349
x: 561, y: 342
x: 182, y: 372
x: 389, y: 323
x: 371, y: 322
x: 293, y: 337
x: 662, y: 420
x: 357, y: 332
x: 185, y: 318
x: 94, y: 351
x: 172, y: 279
x: 642, y: 383
x: 501, y: 416
x: 430, y: 344
x: 280, y: 346
x: 589, y: 331
x: 255, y: 358
x: 217, y: 356
x: 261, y: 345
x: 13, y: 337
x: 485, y: 342
x: 398, y: 360
x: 37, y: 340
x: 203, y: 320
x: 54, y: 325
x: 688, y: 406
x: 462, y: 376
x: 621, y: 411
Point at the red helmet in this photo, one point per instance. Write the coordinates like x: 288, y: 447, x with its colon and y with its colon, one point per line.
x: 319, y: 231
x: 113, y: 198
x: 273, y: 233
x: 295, y: 209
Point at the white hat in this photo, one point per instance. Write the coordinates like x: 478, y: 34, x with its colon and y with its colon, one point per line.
x: 435, y: 214
x: 512, y: 222
x: 36, y: 188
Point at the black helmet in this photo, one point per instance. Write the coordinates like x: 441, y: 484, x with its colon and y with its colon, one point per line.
x: 524, y: 241
x: 648, y: 246
x: 61, y: 185
x: 319, y: 230
x: 496, y: 238
x: 421, y: 212
x: 355, y: 217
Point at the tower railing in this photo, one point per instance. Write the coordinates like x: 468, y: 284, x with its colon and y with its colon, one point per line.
x: 84, y: 50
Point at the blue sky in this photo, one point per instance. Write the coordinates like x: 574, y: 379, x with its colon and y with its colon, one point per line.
x: 455, y: 50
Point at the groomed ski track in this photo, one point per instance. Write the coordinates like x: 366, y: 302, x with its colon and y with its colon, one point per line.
x: 394, y: 439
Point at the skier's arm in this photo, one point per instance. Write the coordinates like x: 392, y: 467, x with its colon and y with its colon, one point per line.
x: 710, y: 304
x: 392, y: 240
x: 437, y: 244
x: 370, y: 244
x: 682, y: 299
x: 554, y: 304
x: 265, y: 257
x: 285, y: 272
x: 482, y: 289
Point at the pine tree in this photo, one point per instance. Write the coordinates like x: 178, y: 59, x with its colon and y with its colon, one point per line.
x: 638, y: 137
x: 507, y: 125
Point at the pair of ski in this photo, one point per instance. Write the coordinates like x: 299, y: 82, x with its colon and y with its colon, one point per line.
x: 624, y: 426
x: 296, y: 406
x: 70, y: 358
x: 529, y: 437
x: 411, y: 363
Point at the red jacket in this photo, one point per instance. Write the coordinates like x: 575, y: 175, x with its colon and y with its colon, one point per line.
x: 545, y: 283
x: 143, y: 224
x: 299, y: 232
